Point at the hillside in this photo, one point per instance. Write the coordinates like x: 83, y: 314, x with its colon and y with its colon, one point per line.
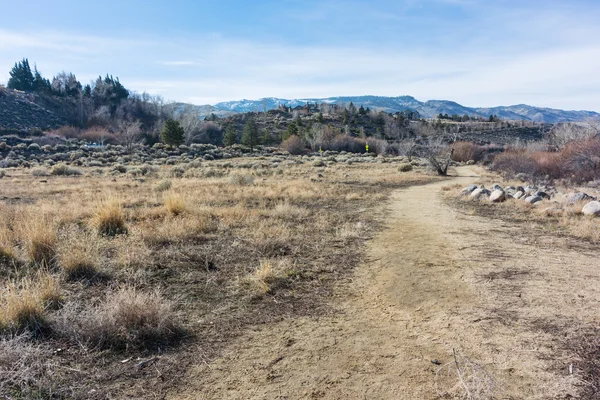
x: 428, y: 109
x: 18, y: 111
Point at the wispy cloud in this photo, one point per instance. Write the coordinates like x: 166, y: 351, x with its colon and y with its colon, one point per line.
x: 488, y: 55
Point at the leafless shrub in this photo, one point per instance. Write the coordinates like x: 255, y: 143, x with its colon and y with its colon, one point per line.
x: 24, y: 367
x: 293, y: 145
x: 127, y: 317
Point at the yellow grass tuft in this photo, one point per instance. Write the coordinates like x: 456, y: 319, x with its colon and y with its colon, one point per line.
x: 23, y: 302
x: 109, y: 218
x: 38, y: 234
x: 175, y: 204
x: 79, y: 255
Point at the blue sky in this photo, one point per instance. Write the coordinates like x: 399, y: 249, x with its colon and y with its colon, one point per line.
x: 475, y: 52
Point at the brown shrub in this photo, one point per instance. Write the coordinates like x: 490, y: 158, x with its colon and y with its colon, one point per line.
x: 293, y: 145
x: 467, y: 151
x: 99, y: 135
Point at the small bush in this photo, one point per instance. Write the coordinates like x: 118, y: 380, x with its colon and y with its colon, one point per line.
x: 293, y: 145
x: 109, y: 218
x: 64, y: 170
x: 38, y: 172
x: 125, y: 318
x: 467, y: 151
x: 405, y: 167
x: 241, y: 179
x: 163, y: 186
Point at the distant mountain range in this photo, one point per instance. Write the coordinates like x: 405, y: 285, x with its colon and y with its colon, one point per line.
x: 428, y: 109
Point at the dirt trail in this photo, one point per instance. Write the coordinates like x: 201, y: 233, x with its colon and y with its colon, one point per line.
x: 436, y: 280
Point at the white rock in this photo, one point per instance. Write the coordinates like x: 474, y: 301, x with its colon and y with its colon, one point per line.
x: 497, y: 196
x: 592, y: 208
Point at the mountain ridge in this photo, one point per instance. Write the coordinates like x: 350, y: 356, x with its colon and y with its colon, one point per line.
x: 427, y: 109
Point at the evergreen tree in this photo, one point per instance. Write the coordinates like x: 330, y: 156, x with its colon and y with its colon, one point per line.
x: 298, y: 120
x: 250, y: 135
x: 172, y: 133
x: 230, y: 136
x: 40, y: 84
x: 320, y: 117
x: 266, y: 139
x: 292, y: 130
x: 21, y: 77
x: 345, y: 116
x: 362, y: 110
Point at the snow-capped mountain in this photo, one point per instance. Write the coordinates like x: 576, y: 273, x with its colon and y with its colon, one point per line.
x: 427, y: 109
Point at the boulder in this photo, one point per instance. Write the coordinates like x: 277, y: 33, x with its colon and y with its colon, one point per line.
x: 468, y: 190
x: 497, y: 187
x: 519, y: 194
x: 533, y: 199
x: 541, y: 194
x: 577, y: 197
x: 592, y: 208
x: 497, y: 196
x: 479, y: 193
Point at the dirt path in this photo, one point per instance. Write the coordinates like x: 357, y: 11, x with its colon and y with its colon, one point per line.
x: 436, y: 280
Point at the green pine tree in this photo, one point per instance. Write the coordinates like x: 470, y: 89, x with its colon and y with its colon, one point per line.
x: 292, y: 130
x: 21, y: 77
x: 230, y: 136
x: 172, y: 133
x: 250, y: 135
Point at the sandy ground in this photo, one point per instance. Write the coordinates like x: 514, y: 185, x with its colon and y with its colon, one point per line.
x: 436, y: 281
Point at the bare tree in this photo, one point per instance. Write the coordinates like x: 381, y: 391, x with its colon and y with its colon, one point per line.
x: 565, y: 132
x: 438, y: 152
x: 314, y: 136
x: 130, y: 133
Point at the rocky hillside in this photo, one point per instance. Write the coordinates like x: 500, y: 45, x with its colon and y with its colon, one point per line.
x: 428, y: 109
x: 18, y: 111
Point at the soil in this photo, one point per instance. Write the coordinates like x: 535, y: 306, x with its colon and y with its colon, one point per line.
x: 437, y: 282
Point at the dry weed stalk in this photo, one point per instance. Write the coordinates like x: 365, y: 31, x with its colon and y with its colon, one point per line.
x: 461, y: 378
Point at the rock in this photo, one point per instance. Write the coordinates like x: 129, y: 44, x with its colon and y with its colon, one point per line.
x: 469, y: 190
x: 519, y: 194
x: 592, y: 208
x: 533, y: 199
x: 497, y: 187
x: 481, y: 192
x: 497, y: 196
x: 541, y: 194
x: 577, y: 197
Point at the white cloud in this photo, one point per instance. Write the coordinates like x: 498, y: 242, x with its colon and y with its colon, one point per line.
x: 213, y: 68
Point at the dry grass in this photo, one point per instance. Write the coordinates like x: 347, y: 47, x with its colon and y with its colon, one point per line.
x: 24, y: 302
x: 109, y: 218
x: 461, y: 378
x: 175, y: 204
x: 566, y: 217
x: 38, y: 235
x: 79, y: 255
x: 196, y: 245
x: 127, y: 317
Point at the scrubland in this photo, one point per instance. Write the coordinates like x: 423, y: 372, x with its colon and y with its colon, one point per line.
x: 112, y: 282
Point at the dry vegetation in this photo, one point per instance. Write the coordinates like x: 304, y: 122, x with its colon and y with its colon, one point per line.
x: 98, y: 269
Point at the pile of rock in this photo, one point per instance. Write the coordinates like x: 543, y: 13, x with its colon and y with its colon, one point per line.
x: 534, y: 195
x: 498, y: 194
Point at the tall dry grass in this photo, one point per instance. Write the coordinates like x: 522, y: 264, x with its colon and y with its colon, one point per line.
x: 109, y: 217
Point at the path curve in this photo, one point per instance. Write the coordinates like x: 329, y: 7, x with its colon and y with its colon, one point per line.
x: 425, y: 291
